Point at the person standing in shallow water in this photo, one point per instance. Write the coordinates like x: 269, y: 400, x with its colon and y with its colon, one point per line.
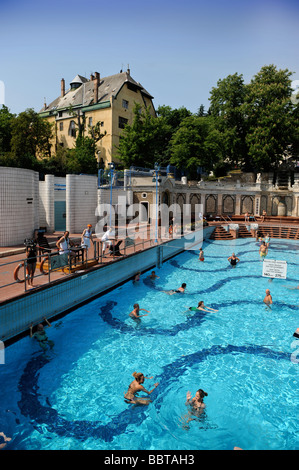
x: 135, y: 387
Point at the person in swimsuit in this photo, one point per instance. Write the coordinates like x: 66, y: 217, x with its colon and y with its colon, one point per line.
x: 267, y: 240
x: 268, y: 298
x: 86, y: 238
x: 180, y: 290
x: 196, y: 407
x: 263, y: 251
x: 201, y: 255
x: 296, y: 334
x: 153, y: 276
x: 203, y: 307
x: 41, y: 336
x: 233, y: 260
x: 135, y: 387
x: 31, y: 262
x: 135, y: 312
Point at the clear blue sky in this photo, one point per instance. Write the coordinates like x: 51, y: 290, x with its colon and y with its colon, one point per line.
x: 177, y: 50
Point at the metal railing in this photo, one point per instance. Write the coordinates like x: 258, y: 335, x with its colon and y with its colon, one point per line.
x: 52, y: 262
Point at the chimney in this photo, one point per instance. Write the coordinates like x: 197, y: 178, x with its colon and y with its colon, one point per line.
x: 96, y: 86
x: 62, y: 87
x: 91, y: 77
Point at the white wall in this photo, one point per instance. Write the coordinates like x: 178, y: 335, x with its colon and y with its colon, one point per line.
x: 81, y: 202
x: 19, y: 205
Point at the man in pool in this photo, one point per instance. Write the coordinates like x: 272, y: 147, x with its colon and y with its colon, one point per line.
x: 263, y: 251
x: 153, y: 276
x: 180, y: 290
x: 268, y: 298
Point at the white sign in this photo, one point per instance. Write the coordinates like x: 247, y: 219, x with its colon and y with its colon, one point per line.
x: 275, y: 269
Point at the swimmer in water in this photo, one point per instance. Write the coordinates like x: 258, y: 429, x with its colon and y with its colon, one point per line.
x: 263, y: 251
x: 196, y: 407
x: 201, y: 306
x: 136, y: 387
x: 201, y: 255
x: 233, y: 260
x: 41, y: 336
x: 268, y: 299
x: 296, y: 334
x: 180, y: 290
x: 135, y: 312
x: 153, y: 276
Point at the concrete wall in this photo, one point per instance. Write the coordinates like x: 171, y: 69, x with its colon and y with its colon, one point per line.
x: 81, y: 201
x: 19, y: 205
x: 16, y: 315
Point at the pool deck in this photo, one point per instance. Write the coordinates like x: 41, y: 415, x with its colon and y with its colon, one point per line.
x: 10, y: 257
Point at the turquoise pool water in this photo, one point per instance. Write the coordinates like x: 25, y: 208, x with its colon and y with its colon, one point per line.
x: 244, y: 356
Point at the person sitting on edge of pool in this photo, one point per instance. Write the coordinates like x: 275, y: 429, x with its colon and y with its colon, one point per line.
x: 233, y: 260
x: 180, y: 290
x: 135, y: 312
x: 203, y: 307
x: 136, y: 387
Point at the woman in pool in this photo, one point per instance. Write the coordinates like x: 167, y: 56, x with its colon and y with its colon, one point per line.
x: 203, y: 307
x: 197, y: 401
x: 136, y: 387
x: 135, y: 312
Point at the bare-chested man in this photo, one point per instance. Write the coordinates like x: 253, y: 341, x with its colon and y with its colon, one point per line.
x: 263, y: 251
x: 268, y: 298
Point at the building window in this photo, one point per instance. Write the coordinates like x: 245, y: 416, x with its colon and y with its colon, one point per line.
x: 90, y: 122
x: 125, y: 104
x: 122, y: 122
x: 61, y: 126
x: 72, y: 129
x: 60, y: 113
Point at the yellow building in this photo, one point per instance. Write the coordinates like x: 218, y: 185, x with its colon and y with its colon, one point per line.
x: 106, y: 102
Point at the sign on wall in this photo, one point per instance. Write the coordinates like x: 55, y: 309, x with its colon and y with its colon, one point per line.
x: 275, y: 269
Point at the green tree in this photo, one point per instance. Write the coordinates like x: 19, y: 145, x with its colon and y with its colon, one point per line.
x: 6, y: 120
x: 30, y: 139
x: 272, y: 118
x: 192, y: 145
x: 227, y: 109
x: 144, y: 142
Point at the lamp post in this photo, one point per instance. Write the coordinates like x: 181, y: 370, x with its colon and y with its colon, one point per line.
x: 157, y: 180
x: 112, y: 166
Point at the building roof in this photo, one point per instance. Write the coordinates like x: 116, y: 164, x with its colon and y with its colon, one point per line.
x: 84, y: 95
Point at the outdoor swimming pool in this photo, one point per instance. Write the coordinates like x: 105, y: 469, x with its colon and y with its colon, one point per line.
x: 244, y: 356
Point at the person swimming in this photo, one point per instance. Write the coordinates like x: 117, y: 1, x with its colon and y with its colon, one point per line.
x: 135, y: 387
x: 180, y: 290
x: 41, y: 336
x: 263, y: 251
x: 153, y: 276
x: 201, y: 255
x: 196, y: 407
x: 203, y: 307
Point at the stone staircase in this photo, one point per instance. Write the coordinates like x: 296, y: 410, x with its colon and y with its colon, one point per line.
x: 221, y: 234
x: 243, y: 232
